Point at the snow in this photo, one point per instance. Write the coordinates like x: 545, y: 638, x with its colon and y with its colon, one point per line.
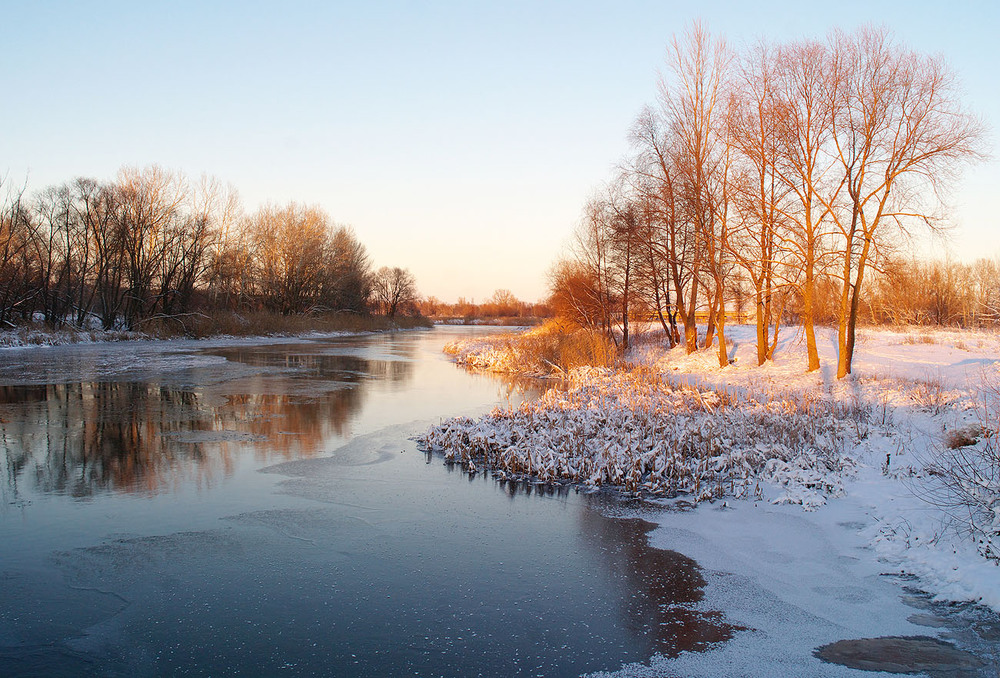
x: 815, y: 497
x: 799, y: 580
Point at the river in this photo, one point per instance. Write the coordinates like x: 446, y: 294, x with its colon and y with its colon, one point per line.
x: 260, y: 507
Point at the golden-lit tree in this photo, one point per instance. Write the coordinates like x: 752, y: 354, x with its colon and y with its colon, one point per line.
x: 694, y: 100
x: 759, y: 196
x: 576, y: 294
x: 806, y: 82
x: 793, y: 170
x: 900, y: 134
x: 148, y: 215
x: 289, y: 246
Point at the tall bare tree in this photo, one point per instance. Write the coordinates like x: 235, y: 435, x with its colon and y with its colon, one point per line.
x: 290, y: 246
x: 806, y: 86
x: 695, y: 101
x: 760, y: 197
x: 900, y: 133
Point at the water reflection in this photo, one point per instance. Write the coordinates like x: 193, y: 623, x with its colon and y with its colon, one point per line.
x: 351, y: 568
x: 81, y: 439
x: 666, y: 586
x: 347, y: 368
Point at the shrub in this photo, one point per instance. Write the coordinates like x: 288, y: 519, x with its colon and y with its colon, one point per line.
x: 967, y: 470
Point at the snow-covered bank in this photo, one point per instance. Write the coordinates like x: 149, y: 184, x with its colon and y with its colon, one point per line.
x: 876, y: 441
x: 34, y: 336
x: 40, y: 338
x: 250, y: 326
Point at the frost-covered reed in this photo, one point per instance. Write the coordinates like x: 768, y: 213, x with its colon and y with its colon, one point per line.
x: 633, y: 431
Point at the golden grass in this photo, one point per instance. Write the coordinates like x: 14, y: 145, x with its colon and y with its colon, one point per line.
x: 265, y: 323
x: 552, y: 348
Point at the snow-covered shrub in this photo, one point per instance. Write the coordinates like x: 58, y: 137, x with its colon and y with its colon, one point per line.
x: 967, y: 470
x: 634, y: 431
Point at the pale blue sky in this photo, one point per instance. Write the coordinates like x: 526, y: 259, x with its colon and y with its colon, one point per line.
x: 459, y: 139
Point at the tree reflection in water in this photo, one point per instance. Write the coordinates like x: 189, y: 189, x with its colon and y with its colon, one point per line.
x: 81, y: 439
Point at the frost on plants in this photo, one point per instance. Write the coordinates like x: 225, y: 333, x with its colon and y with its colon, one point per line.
x: 967, y: 471
x: 633, y: 431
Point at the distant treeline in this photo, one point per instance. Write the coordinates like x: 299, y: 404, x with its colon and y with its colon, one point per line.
x: 152, y: 245
x: 502, y: 305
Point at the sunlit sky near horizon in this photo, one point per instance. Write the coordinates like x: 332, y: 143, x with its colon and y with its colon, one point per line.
x: 459, y: 139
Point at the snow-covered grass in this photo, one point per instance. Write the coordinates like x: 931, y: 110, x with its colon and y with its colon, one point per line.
x: 632, y: 430
x: 909, y: 440
x: 40, y: 336
x: 215, y: 325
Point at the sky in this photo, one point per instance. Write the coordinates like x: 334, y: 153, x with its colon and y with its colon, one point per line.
x: 459, y: 139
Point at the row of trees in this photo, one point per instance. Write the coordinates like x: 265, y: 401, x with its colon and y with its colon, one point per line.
x: 937, y: 293
x: 501, y: 304
x: 773, y: 172
x: 151, y: 244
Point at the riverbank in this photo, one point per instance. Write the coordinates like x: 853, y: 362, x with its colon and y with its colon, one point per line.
x: 893, y: 463
x: 214, y: 325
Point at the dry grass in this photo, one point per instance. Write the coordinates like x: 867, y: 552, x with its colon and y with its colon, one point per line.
x: 919, y: 338
x: 554, y: 348
x: 262, y: 323
x: 565, y: 348
x: 963, y: 437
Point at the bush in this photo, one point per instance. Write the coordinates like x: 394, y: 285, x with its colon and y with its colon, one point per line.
x: 967, y: 469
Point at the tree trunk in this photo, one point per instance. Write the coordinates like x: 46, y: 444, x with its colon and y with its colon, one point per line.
x: 721, y: 323
x: 852, y: 319
x: 762, y: 329
x: 710, y: 329
x: 807, y: 321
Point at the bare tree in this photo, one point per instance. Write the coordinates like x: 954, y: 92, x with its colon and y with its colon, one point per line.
x: 900, y: 134
x: 576, y: 294
x: 756, y: 129
x: 503, y: 304
x: 349, y: 283
x: 594, y: 252
x: 671, y: 237
x: 290, y: 254
x: 147, y: 210
x: 17, y: 271
x: 625, y: 225
x: 393, y: 289
x: 695, y: 101
x: 805, y: 86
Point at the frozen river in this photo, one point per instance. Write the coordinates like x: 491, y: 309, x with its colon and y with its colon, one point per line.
x: 259, y: 508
